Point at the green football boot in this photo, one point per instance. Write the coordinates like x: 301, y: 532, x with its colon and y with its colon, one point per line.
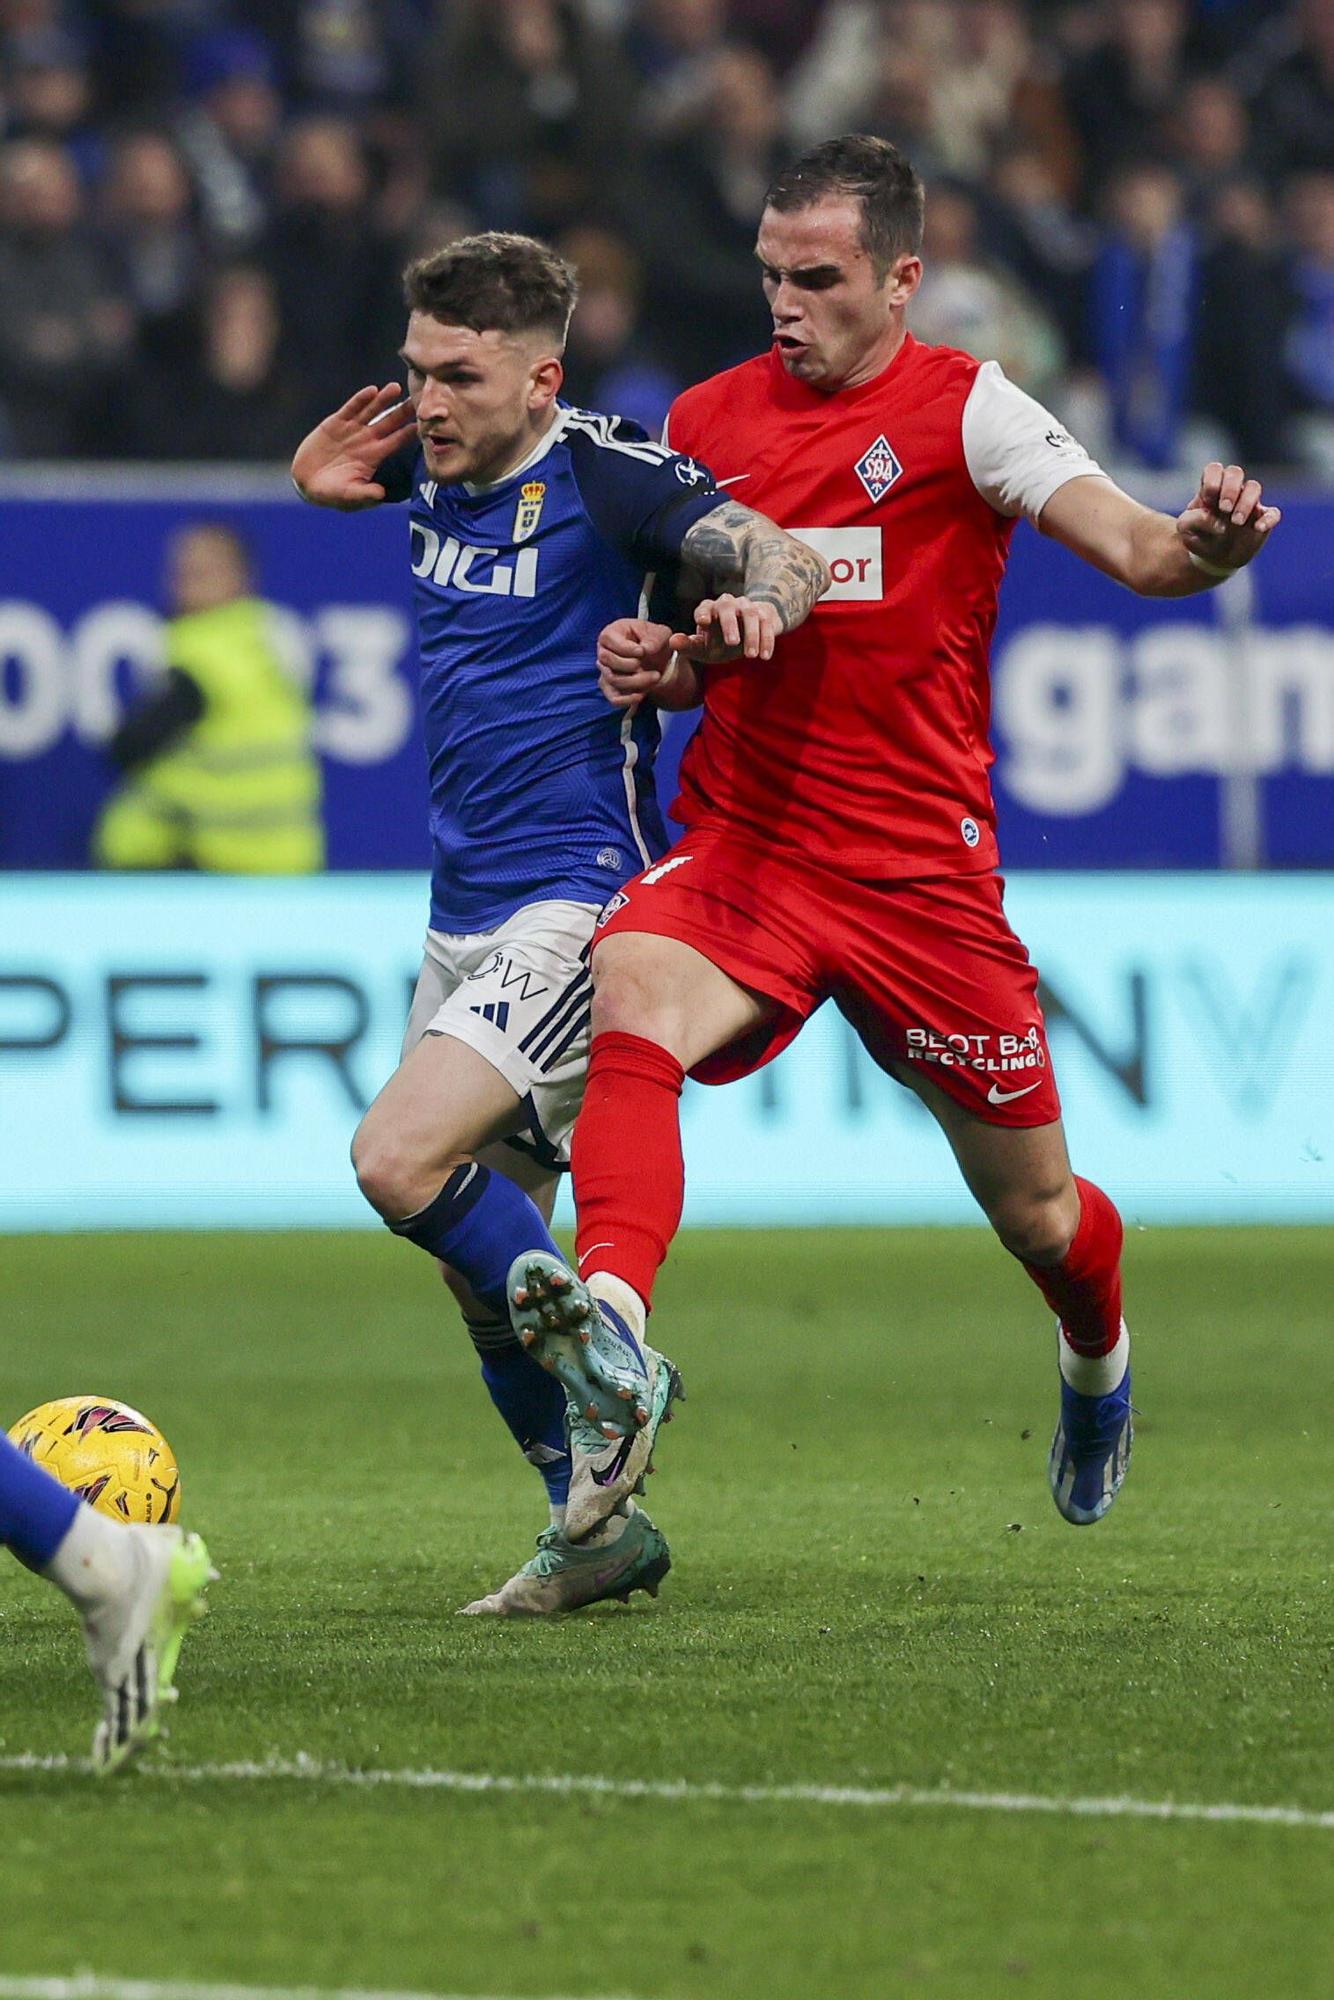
x: 626, y: 1554
x: 134, y: 1638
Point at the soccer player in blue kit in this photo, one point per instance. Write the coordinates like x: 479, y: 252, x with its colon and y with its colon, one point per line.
x: 136, y: 1588
x: 531, y: 526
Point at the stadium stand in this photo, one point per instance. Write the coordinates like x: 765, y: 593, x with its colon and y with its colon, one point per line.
x: 204, y: 203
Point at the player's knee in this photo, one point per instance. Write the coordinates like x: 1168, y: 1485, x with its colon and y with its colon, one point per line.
x: 1036, y: 1226
x: 376, y: 1170
x: 625, y: 1003
x: 388, y: 1174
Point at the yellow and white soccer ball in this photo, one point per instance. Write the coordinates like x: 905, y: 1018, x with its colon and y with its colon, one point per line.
x: 107, y: 1453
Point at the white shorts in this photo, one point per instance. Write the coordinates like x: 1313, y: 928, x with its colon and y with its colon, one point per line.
x: 520, y: 995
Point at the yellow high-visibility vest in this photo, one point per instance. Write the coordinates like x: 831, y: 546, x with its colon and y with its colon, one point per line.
x: 240, y: 794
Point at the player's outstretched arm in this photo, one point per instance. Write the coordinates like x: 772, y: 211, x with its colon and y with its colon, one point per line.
x: 336, y: 465
x: 1225, y: 526
x: 766, y: 582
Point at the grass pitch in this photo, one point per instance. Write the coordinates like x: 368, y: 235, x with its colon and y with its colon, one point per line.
x: 872, y: 1589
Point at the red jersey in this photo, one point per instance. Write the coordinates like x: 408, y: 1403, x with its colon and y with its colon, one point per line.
x: 864, y: 742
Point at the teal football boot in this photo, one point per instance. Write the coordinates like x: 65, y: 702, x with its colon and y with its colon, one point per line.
x: 625, y: 1554
x: 583, y: 1342
x: 604, y: 1472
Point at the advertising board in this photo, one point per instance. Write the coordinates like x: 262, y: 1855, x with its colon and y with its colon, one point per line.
x: 1129, y: 733
x: 195, y: 1052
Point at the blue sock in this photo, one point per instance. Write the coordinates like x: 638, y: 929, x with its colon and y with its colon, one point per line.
x: 531, y: 1402
x: 35, y: 1509
x: 478, y: 1224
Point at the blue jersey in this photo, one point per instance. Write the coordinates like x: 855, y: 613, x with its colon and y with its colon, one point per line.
x: 539, y: 788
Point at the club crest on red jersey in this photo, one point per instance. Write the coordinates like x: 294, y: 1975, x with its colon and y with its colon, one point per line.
x: 878, y: 468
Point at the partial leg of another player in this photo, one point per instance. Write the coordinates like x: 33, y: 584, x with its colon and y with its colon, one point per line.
x: 137, y: 1590
x: 1067, y: 1235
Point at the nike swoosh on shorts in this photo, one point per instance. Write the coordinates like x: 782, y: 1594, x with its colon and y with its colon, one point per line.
x: 998, y: 1096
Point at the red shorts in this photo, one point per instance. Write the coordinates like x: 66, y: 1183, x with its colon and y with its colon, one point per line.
x: 929, y: 973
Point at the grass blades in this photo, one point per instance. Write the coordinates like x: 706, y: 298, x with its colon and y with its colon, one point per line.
x: 871, y: 1589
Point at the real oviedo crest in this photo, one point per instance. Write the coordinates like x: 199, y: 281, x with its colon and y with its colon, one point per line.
x: 529, y: 512
x: 878, y: 468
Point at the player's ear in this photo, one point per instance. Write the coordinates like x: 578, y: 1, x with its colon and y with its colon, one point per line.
x: 544, y: 382
x: 905, y: 275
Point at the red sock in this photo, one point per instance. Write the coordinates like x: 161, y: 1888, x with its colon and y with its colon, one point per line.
x: 1084, y: 1289
x: 629, y: 1176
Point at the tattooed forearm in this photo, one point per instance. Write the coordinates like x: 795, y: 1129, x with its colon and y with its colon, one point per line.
x: 739, y: 550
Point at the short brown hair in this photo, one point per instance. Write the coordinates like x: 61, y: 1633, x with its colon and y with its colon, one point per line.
x: 871, y: 172
x: 495, y: 282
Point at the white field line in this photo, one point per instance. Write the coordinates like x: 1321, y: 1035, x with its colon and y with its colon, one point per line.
x: 87, y: 1986
x: 313, y: 1770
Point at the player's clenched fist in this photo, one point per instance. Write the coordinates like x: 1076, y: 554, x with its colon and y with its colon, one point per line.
x: 730, y: 628
x: 635, y: 659
x: 336, y: 465
x: 638, y: 658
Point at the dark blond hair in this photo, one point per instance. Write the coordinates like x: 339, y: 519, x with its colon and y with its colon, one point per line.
x: 495, y: 282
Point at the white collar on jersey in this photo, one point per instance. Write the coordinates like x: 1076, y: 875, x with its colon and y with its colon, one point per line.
x: 539, y: 451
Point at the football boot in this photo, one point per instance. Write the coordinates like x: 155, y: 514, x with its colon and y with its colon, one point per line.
x: 1090, y: 1451
x: 606, y: 1471
x: 625, y: 1554
x: 583, y: 1342
x: 134, y: 1638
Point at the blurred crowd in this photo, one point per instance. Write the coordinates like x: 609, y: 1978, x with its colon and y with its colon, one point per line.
x: 205, y: 204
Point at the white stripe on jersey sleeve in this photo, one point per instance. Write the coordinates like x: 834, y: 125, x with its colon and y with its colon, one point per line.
x: 1017, y: 453
x: 593, y: 424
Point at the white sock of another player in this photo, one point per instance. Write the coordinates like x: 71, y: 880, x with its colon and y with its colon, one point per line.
x: 95, y: 1561
x: 622, y: 1298
x: 1095, y: 1374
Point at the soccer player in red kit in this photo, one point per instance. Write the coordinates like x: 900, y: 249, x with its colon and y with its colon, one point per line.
x: 841, y: 837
